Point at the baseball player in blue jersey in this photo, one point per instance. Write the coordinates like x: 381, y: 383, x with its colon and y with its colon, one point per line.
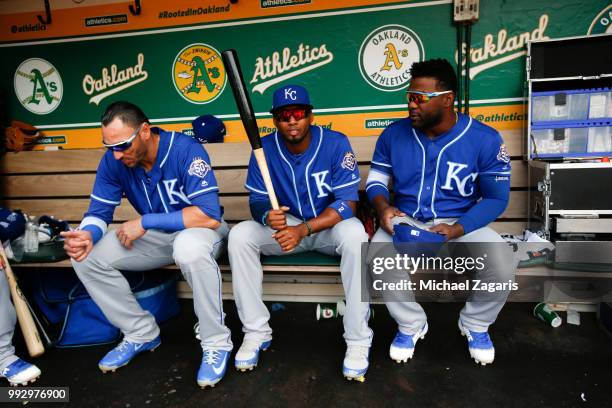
x: 316, y: 179
x: 168, y: 179
x: 451, y: 176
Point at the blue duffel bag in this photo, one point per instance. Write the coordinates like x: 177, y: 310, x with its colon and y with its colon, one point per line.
x: 63, y: 300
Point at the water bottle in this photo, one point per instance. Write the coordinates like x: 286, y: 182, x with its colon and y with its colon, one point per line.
x: 31, y: 238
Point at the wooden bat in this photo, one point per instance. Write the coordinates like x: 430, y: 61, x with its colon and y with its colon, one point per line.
x: 243, y: 101
x: 24, y: 316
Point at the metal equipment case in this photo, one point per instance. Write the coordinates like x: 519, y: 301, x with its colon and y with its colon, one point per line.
x: 570, y: 194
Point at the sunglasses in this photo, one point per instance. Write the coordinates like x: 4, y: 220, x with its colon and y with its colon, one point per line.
x: 297, y: 113
x: 422, y: 97
x: 125, y: 144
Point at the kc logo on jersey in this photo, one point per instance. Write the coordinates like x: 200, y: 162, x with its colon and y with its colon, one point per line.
x: 198, y: 167
x: 349, y: 162
x: 198, y: 73
x: 452, y: 175
x: 174, y: 194
x: 38, y: 86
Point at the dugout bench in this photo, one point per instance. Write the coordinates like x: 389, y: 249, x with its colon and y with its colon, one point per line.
x: 59, y: 182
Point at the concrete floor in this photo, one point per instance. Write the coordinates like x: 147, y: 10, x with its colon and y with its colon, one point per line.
x: 535, y: 366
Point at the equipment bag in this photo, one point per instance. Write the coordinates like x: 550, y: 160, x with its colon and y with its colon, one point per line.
x: 63, y: 300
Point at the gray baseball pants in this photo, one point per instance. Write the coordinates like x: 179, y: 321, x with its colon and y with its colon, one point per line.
x: 249, y: 239
x: 194, y: 250
x: 475, y: 316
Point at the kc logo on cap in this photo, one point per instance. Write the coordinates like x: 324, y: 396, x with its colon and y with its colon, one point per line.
x: 290, y: 95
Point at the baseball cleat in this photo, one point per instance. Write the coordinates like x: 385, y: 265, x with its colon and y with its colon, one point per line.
x: 124, y: 353
x: 20, y: 372
x: 356, y: 363
x: 479, y: 344
x: 213, y: 367
x: 402, y: 347
x: 248, y: 354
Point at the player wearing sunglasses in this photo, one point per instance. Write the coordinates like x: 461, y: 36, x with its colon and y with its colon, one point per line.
x: 451, y: 176
x: 168, y: 179
x: 316, y: 179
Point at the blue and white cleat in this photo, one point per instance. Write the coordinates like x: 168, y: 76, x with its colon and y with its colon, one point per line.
x: 356, y: 363
x: 124, y: 353
x: 480, y: 345
x: 20, y: 372
x: 248, y: 354
x: 212, y: 369
x: 402, y: 347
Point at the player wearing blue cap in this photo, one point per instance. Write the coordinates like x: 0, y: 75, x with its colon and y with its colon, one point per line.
x: 316, y: 179
x: 168, y: 179
x: 450, y: 175
x: 14, y: 369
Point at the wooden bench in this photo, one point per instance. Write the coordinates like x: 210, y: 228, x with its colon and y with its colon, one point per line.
x: 59, y: 182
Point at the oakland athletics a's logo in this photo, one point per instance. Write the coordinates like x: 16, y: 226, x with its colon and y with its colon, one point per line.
x: 386, y: 55
x: 38, y: 86
x: 198, y: 73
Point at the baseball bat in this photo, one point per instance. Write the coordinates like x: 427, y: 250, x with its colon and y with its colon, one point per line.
x: 26, y: 322
x: 247, y: 115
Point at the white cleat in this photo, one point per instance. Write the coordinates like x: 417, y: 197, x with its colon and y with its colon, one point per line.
x: 356, y: 363
x: 247, y: 356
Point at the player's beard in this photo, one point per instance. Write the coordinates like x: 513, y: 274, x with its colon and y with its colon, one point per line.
x: 135, y: 159
x: 427, y: 121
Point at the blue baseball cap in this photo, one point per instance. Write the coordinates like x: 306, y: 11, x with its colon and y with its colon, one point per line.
x: 290, y: 95
x: 208, y: 129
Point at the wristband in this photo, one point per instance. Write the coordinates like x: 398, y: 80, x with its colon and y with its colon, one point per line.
x: 307, y: 224
x: 169, y: 222
x: 343, y: 208
x: 95, y: 231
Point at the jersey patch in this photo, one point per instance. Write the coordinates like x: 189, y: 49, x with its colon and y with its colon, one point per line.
x: 349, y: 162
x: 198, y: 167
x: 503, y: 155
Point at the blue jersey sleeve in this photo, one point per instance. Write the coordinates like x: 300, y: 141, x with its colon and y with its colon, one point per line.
x: 345, y: 172
x: 106, y: 195
x: 494, y: 158
x: 254, y: 182
x: 380, y: 170
x: 494, y: 182
x: 199, y: 181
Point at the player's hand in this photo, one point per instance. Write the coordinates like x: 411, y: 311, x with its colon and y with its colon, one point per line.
x: 77, y: 244
x: 129, y: 232
x: 386, y: 215
x: 290, y: 237
x: 277, y: 219
x: 449, y: 231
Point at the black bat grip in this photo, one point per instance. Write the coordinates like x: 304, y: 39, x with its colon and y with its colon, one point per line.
x: 241, y: 96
